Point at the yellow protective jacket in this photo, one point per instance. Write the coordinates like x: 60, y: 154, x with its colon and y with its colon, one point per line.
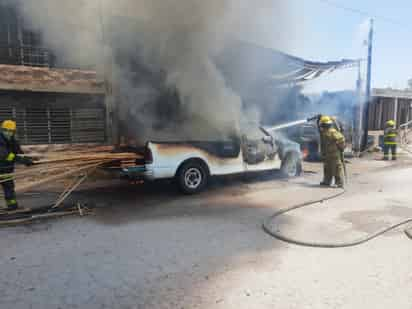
x: 332, y: 143
x: 390, y: 136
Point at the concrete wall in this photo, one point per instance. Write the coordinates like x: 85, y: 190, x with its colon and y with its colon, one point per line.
x: 25, y: 78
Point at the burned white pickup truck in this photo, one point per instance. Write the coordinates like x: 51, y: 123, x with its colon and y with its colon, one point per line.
x: 192, y: 163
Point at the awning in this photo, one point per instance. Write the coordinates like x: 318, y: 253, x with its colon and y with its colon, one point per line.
x: 305, y: 70
x: 247, y: 64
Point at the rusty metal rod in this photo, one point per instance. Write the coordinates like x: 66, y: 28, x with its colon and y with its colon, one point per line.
x: 62, y: 198
x: 59, y: 176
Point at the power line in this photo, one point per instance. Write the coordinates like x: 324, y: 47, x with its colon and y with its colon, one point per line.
x: 365, y: 13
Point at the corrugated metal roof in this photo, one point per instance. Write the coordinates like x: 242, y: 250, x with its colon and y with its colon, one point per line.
x: 275, y: 66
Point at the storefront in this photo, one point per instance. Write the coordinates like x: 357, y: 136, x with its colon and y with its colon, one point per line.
x: 54, y: 106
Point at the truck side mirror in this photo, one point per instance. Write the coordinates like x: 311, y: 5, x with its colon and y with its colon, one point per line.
x: 267, y: 139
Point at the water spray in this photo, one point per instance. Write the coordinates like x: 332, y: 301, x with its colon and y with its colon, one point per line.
x: 292, y: 123
x: 287, y: 125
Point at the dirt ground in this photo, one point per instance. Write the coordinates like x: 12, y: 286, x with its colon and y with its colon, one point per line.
x: 147, y: 246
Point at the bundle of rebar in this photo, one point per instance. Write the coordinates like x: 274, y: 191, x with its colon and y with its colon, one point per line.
x: 70, y: 168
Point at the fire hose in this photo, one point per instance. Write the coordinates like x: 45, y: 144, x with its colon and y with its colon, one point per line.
x: 358, y: 241
x: 277, y: 234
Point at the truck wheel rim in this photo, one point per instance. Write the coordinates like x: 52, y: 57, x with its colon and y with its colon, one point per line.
x: 193, y: 178
x: 291, y: 167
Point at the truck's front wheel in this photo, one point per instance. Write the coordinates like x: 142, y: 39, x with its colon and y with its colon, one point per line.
x: 291, y: 166
x: 192, y: 177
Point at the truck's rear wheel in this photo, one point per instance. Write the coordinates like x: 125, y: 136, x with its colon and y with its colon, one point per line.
x: 291, y: 166
x: 192, y: 177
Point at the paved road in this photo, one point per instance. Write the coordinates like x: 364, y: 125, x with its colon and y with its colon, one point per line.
x: 148, y: 247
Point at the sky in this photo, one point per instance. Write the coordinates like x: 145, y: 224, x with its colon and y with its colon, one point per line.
x: 323, y: 32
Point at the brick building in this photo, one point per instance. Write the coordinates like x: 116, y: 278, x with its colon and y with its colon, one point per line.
x: 51, y: 102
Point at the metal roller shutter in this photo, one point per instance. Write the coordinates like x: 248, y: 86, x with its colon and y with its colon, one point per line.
x: 60, y: 125
x: 88, y: 125
x: 57, y: 125
x: 36, y: 123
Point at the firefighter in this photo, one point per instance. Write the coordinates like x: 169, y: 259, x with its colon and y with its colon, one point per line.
x: 10, y: 153
x: 332, y: 147
x: 390, y: 140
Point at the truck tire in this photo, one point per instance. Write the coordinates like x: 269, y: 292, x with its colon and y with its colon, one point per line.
x: 192, y: 177
x: 291, y: 166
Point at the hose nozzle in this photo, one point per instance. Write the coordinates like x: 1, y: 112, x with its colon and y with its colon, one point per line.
x: 317, y: 117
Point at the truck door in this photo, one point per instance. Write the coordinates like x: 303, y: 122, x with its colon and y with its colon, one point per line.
x: 259, y: 149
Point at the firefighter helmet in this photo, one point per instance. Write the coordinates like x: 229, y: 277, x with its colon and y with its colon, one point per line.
x: 9, y: 125
x: 390, y: 123
x: 325, y: 120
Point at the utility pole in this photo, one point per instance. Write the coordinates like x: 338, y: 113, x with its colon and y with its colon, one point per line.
x: 357, y: 114
x: 368, y: 87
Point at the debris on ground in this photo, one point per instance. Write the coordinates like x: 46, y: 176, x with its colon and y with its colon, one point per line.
x: 70, y: 169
